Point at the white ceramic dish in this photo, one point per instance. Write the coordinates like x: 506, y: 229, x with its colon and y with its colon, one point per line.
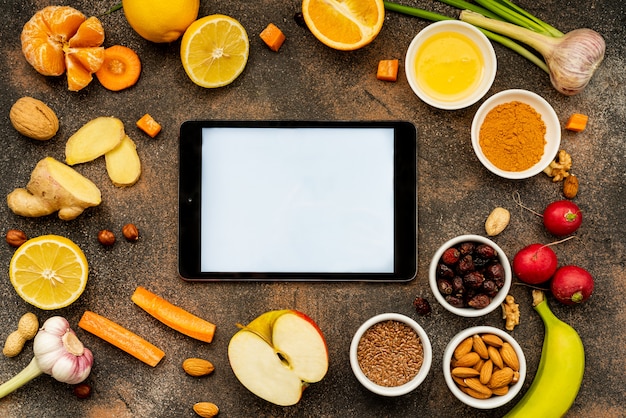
x: 476, y: 36
x: 549, y: 116
x: 470, y: 312
x: 394, y: 390
x: 494, y: 401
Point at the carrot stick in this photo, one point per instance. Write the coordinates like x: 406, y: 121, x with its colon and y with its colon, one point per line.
x: 121, y: 338
x: 273, y: 37
x: 121, y: 68
x: 577, y: 122
x: 173, y: 316
x: 387, y: 70
x: 149, y: 125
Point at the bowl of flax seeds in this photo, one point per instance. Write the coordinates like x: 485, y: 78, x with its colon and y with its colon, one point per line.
x: 390, y: 354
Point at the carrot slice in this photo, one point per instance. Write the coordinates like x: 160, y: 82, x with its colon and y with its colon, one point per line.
x: 121, y: 338
x: 149, y: 125
x: 577, y: 122
x: 387, y: 70
x: 121, y: 68
x: 173, y: 316
x: 273, y: 37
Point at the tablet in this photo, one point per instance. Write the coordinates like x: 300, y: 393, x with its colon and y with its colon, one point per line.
x: 297, y: 200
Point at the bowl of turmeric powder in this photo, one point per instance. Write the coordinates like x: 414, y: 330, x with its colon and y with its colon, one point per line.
x: 516, y: 134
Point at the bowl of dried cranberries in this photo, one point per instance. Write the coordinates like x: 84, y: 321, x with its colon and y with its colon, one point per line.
x: 470, y: 275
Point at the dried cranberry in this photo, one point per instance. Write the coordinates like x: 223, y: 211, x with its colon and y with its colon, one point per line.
x: 457, y: 285
x: 494, y: 271
x: 466, y: 265
x: 421, y: 306
x: 479, y: 301
x: 444, y: 271
x: 455, y: 301
x: 444, y: 286
x: 451, y: 256
x: 490, y: 288
x: 466, y: 248
x: 473, y: 279
x: 485, y: 251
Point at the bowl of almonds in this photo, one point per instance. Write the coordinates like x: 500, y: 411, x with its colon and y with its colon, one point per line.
x: 484, y: 367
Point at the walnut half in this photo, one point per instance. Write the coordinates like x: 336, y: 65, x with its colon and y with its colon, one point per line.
x: 559, y: 168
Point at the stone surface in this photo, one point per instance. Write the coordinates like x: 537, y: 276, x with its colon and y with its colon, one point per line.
x: 307, y: 80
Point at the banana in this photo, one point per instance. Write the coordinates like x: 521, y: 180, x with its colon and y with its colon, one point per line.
x: 560, y: 371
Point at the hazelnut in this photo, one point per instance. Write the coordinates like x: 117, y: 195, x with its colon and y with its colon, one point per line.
x: 131, y: 233
x: 82, y: 391
x: 106, y: 237
x: 15, y: 237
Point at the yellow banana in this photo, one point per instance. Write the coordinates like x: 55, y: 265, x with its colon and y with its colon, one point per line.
x: 560, y: 371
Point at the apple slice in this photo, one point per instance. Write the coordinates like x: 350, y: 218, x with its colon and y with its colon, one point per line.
x: 277, y: 355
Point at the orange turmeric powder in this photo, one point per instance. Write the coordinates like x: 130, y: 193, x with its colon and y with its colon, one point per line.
x: 512, y: 136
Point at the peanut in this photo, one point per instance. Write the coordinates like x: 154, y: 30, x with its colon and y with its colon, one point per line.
x: 27, y: 328
x: 497, y: 221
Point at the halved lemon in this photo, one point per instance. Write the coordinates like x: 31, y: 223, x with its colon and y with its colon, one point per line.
x: 214, y: 50
x: 49, y: 272
x: 344, y: 24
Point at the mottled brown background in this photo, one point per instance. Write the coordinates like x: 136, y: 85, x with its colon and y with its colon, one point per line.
x: 307, y: 80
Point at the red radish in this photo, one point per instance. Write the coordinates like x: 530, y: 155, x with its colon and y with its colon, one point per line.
x: 534, y: 264
x: 571, y: 285
x: 562, y: 217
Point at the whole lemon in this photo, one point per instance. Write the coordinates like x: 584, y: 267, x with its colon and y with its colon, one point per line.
x: 160, y: 20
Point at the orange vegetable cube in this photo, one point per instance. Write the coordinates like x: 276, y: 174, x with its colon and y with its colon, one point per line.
x: 387, y: 70
x: 577, y: 122
x: 273, y: 37
x: 149, y: 125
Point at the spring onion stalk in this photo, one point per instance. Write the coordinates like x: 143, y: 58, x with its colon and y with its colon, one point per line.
x: 572, y: 58
x: 436, y: 17
x: 514, y: 14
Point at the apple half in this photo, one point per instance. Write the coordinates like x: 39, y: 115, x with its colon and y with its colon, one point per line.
x: 278, y: 354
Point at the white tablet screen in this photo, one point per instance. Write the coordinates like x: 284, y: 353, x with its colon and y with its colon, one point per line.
x: 305, y: 200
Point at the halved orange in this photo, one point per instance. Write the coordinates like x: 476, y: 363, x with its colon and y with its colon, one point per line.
x: 344, y: 24
x: 59, y: 39
x: 49, y: 272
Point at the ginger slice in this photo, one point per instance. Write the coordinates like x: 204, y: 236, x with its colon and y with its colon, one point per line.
x: 123, y: 164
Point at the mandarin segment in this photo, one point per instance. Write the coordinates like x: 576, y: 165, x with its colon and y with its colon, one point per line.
x: 53, y: 40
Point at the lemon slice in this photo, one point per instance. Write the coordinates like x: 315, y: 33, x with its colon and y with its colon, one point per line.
x: 344, y: 24
x: 49, y: 272
x: 214, y: 50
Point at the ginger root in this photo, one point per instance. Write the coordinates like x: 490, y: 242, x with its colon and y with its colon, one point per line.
x: 510, y: 312
x: 54, y: 186
x: 559, y: 168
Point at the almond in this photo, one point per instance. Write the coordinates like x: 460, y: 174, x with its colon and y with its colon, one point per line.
x: 502, y: 390
x: 479, y: 346
x: 509, y: 357
x: 499, y: 378
x: 464, y: 372
x: 206, y: 409
x: 34, y: 119
x: 467, y: 360
x: 497, y: 221
x: 463, y: 348
x: 495, y: 356
x: 197, y: 367
x: 474, y: 384
x: 474, y: 393
x: 570, y: 186
x: 486, y: 371
x: 492, y: 340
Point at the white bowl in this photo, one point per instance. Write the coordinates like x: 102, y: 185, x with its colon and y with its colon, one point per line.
x: 494, y: 401
x: 549, y: 116
x: 477, y: 37
x: 391, y: 390
x: 495, y: 301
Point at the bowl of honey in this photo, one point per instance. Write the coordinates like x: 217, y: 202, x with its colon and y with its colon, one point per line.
x: 450, y: 64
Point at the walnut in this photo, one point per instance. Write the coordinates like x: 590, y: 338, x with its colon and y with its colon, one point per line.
x: 510, y: 312
x: 559, y: 168
x: 34, y: 119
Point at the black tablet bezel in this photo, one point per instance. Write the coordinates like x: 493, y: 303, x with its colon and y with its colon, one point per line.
x: 405, y: 203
